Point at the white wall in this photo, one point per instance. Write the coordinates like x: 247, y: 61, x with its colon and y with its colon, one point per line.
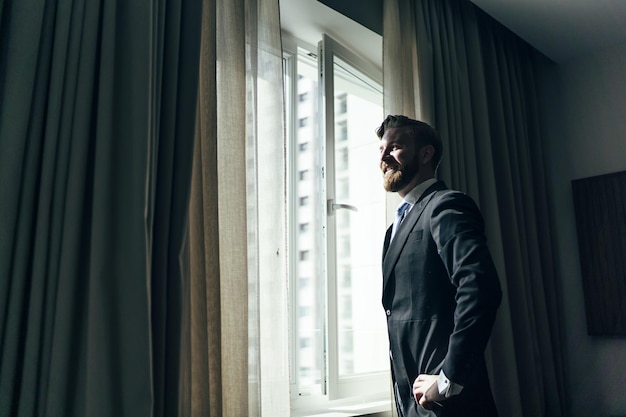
x: 587, y: 137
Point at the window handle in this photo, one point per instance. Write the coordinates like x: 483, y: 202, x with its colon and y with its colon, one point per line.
x: 333, y: 207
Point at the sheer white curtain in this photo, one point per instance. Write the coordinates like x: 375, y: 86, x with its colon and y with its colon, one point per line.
x: 450, y: 64
x: 235, y: 348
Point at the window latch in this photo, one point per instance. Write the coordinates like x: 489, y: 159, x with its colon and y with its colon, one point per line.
x: 333, y: 207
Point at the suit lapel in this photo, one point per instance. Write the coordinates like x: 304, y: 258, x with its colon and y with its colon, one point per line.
x: 387, y: 240
x: 394, y: 248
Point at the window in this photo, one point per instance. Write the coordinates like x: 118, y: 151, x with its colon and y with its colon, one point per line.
x: 342, y: 159
x: 337, y: 224
x: 345, y: 278
x: 342, y: 189
x: 304, y: 283
x: 303, y: 175
x: 342, y: 131
x: 342, y: 103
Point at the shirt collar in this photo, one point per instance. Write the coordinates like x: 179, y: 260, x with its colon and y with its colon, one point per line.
x: 414, y: 195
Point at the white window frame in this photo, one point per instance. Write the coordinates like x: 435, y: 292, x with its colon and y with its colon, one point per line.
x: 336, y: 392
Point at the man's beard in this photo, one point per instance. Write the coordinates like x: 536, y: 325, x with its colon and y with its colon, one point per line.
x: 399, y: 177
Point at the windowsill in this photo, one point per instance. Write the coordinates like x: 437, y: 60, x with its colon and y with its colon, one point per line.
x: 348, y: 408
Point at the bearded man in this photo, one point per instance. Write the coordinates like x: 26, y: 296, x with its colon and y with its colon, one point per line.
x: 440, y: 287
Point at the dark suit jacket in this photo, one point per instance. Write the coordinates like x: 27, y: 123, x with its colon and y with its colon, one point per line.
x: 440, y: 294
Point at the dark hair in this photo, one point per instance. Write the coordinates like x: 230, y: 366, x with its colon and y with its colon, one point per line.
x: 423, y: 133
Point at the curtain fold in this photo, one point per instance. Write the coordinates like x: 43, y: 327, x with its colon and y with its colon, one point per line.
x: 97, y: 104
x: 235, y: 359
x: 475, y: 84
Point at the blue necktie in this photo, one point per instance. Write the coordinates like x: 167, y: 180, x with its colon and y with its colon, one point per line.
x: 400, y: 213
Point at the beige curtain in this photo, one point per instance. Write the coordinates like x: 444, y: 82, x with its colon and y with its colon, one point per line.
x: 235, y: 358
x: 447, y: 62
x: 97, y: 106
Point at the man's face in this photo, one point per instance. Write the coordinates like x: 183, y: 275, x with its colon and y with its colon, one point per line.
x: 399, y: 159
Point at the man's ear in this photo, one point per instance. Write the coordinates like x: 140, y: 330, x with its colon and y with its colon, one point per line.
x: 426, y: 154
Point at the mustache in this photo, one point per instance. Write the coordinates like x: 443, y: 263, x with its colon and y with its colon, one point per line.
x: 384, y: 166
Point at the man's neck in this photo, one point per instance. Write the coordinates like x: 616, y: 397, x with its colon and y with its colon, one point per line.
x: 411, y: 186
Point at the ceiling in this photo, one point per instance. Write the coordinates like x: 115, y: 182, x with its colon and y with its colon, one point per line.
x: 561, y: 29
x: 308, y: 19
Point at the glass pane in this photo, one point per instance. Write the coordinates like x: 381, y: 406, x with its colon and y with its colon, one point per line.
x: 362, y: 335
x: 310, y: 306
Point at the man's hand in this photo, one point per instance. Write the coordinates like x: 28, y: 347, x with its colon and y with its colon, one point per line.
x: 426, y: 392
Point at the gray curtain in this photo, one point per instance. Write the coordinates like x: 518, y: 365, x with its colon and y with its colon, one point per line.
x: 450, y: 64
x: 97, y: 110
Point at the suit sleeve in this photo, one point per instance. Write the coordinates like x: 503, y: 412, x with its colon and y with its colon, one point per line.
x: 458, y: 230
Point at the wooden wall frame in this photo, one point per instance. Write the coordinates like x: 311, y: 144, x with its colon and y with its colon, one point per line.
x: 600, y: 209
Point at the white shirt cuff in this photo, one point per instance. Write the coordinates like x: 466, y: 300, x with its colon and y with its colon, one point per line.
x: 446, y: 387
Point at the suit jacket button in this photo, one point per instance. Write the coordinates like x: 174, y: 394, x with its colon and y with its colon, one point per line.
x: 388, y: 312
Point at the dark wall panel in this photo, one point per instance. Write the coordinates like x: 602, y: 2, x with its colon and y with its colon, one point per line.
x: 600, y: 208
